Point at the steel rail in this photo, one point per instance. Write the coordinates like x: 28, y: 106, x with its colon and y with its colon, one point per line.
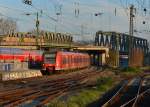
x: 120, y: 93
x: 46, y: 88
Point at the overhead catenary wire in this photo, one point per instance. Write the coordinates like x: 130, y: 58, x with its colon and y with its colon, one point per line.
x: 144, y: 29
x: 68, y: 27
x: 23, y: 12
x: 14, y: 18
x: 125, y: 8
x: 13, y: 9
x: 55, y: 20
x: 43, y: 12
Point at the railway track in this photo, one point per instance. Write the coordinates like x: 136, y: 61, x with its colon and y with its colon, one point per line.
x: 143, y: 96
x: 134, y: 93
x: 38, y: 92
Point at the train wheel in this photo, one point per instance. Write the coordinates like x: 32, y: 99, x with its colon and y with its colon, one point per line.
x: 57, y: 72
x: 43, y: 72
x: 48, y: 71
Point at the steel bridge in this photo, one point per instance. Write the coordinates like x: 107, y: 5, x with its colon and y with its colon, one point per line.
x: 30, y: 41
x: 110, y: 48
x: 118, y: 43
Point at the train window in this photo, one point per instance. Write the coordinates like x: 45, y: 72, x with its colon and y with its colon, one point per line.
x: 64, y: 60
x: 67, y: 60
x: 71, y: 61
x: 74, y: 60
x: 50, y: 58
x: 77, y: 60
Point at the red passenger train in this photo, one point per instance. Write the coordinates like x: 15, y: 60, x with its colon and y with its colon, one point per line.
x: 14, y: 54
x: 60, y: 61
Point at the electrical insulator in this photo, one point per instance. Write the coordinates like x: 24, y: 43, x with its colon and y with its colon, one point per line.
x: 29, y: 2
x: 57, y: 13
x: 145, y: 10
x: 144, y: 22
x: 96, y: 14
x: 27, y: 14
x: 115, y: 11
x: 77, y: 11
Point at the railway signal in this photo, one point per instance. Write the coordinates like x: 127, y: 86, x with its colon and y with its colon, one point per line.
x: 145, y: 10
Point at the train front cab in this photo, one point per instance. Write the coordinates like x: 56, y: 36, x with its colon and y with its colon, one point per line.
x: 49, y: 60
x: 64, y: 61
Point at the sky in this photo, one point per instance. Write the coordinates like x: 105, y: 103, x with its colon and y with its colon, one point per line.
x: 114, y: 16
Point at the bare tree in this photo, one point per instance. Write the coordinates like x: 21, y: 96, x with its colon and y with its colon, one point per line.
x: 7, y: 26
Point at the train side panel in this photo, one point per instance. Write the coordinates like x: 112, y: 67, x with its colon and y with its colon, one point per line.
x: 66, y: 61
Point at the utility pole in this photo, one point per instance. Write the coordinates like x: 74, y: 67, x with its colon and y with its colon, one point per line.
x: 118, y: 51
x: 131, y: 30
x: 37, y: 26
x: 37, y: 23
x: 29, y: 2
x: 131, y: 20
x: 37, y: 30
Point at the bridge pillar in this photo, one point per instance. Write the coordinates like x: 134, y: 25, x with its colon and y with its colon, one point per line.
x: 96, y: 59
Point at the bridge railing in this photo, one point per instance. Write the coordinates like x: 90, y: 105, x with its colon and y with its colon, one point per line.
x: 31, y: 40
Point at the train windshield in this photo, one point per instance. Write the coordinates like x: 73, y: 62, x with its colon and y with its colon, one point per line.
x: 50, y: 58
